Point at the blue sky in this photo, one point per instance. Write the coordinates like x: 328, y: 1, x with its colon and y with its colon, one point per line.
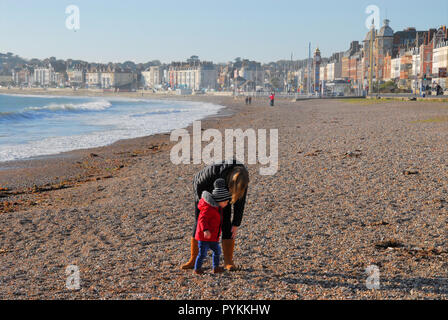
x: 143, y: 30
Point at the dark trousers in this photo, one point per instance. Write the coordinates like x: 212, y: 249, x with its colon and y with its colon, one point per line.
x: 272, y: 103
x: 226, y: 221
x: 204, y: 246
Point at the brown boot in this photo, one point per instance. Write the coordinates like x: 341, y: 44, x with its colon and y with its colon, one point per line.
x: 219, y: 270
x: 227, y: 249
x: 194, y: 253
x: 198, y: 271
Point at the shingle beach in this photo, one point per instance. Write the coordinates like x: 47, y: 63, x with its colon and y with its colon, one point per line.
x: 359, y: 183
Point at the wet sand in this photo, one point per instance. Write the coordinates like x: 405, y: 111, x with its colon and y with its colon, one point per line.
x: 359, y: 184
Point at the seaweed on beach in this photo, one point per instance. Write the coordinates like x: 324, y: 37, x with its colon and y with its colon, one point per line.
x: 390, y: 243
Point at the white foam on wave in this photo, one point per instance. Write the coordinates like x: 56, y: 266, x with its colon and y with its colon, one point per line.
x: 86, y: 106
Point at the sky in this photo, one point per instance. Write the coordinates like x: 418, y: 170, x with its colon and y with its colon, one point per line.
x: 219, y: 31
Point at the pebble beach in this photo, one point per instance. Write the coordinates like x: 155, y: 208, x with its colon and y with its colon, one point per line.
x: 360, y: 183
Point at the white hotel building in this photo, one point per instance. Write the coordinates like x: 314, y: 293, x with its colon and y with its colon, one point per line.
x: 109, y: 78
x: 44, y: 76
x: 395, y: 68
x: 192, y: 75
x: 440, y: 59
x: 152, y: 77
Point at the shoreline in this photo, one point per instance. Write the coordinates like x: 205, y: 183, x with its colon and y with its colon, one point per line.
x: 224, y: 111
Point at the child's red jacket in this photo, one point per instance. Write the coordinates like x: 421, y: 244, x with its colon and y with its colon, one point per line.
x: 210, y: 218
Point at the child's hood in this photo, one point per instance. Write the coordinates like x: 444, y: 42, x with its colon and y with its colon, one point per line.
x: 207, y: 201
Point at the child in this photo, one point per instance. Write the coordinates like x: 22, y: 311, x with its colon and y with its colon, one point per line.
x: 209, y: 224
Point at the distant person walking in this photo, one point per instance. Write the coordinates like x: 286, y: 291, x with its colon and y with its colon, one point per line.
x: 272, y: 99
x: 250, y: 100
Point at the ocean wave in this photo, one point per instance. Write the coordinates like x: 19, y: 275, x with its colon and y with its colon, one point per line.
x: 86, y: 106
x: 31, y: 113
x: 11, y: 116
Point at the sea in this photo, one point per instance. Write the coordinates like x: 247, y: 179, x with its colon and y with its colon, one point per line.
x: 32, y: 126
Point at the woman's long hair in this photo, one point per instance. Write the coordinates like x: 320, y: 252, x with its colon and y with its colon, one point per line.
x: 238, y: 182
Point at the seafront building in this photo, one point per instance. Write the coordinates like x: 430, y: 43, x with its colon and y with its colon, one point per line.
x: 153, y: 77
x: 251, y: 72
x: 410, y: 59
x: 440, y: 64
x: 192, y: 75
x: 23, y: 76
x: 395, y: 69
x: 44, y: 76
x: 110, y: 77
x: 76, y: 76
x: 241, y: 75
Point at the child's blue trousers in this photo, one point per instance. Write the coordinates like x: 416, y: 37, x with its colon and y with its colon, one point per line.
x: 204, y: 246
